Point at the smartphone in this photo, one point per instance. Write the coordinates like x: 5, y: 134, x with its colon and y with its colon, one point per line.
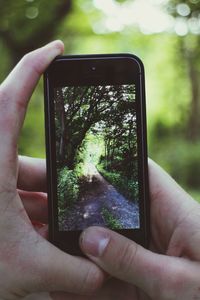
x: 96, y: 147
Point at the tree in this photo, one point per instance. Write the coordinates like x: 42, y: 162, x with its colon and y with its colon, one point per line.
x: 188, y: 12
x: 26, y: 25
x: 98, y: 108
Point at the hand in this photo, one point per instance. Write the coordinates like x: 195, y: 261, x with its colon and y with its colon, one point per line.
x: 171, y: 268
x: 28, y: 262
x: 31, y: 179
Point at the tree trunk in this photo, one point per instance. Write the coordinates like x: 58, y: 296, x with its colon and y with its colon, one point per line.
x: 62, y: 137
x: 60, y: 109
x: 193, y: 127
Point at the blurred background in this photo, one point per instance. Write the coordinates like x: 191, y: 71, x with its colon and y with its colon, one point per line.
x: 165, y: 34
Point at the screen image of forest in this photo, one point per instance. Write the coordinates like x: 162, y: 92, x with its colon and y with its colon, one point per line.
x: 96, y: 157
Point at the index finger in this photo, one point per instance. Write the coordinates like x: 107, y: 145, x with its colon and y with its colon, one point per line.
x: 15, y: 93
x: 31, y: 174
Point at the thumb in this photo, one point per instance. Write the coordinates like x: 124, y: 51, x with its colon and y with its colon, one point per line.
x: 153, y: 273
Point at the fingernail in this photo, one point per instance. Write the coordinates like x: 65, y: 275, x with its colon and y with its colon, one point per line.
x: 94, y: 241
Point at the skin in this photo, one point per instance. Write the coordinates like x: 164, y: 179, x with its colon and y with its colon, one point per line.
x: 28, y: 262
x: 170, y: 269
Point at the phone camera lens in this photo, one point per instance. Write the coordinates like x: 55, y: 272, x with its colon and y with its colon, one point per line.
x: 93, y: 68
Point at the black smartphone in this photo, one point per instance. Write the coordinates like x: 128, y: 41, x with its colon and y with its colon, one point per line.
x: 96, y: 147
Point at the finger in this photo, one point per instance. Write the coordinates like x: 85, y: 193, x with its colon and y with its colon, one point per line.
x: 70, y: 296
x: 35, y: 205
x: 113, y: 289
x: 31, y: 174
x: 169, y: 202
x: 54, y: 270
x: 43, y: 230
x: 155, y: 274
x: 15, y: 92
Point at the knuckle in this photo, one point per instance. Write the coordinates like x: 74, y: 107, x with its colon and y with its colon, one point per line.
x: 92, y: 280
x: 179, y: 283
x: 7, y: 122
x: 4, y: 99
x: 126, y: 258
x: 26, y: 59
x: 171, y: 284
x: 160, y: 288
x: 34, y: 62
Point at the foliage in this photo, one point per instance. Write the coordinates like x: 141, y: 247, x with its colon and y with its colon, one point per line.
x: 190, y: 8
x: 128, y: 187
x: 32, y: 139
x: 110, y: 220
x: 79, y: 170
x: 83, y: 124
x: 89, y: 152
x: 68, y: 188
x: 84, y: 109
x: 175, y: 156
x: 25, y: 25
x: 172, y: 66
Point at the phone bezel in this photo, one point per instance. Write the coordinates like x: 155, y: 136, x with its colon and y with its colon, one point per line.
x: 109, y: 69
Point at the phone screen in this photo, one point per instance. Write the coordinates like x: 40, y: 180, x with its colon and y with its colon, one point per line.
x: 96, y: 156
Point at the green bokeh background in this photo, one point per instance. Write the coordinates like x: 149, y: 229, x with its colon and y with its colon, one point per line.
x: 171, y: 56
